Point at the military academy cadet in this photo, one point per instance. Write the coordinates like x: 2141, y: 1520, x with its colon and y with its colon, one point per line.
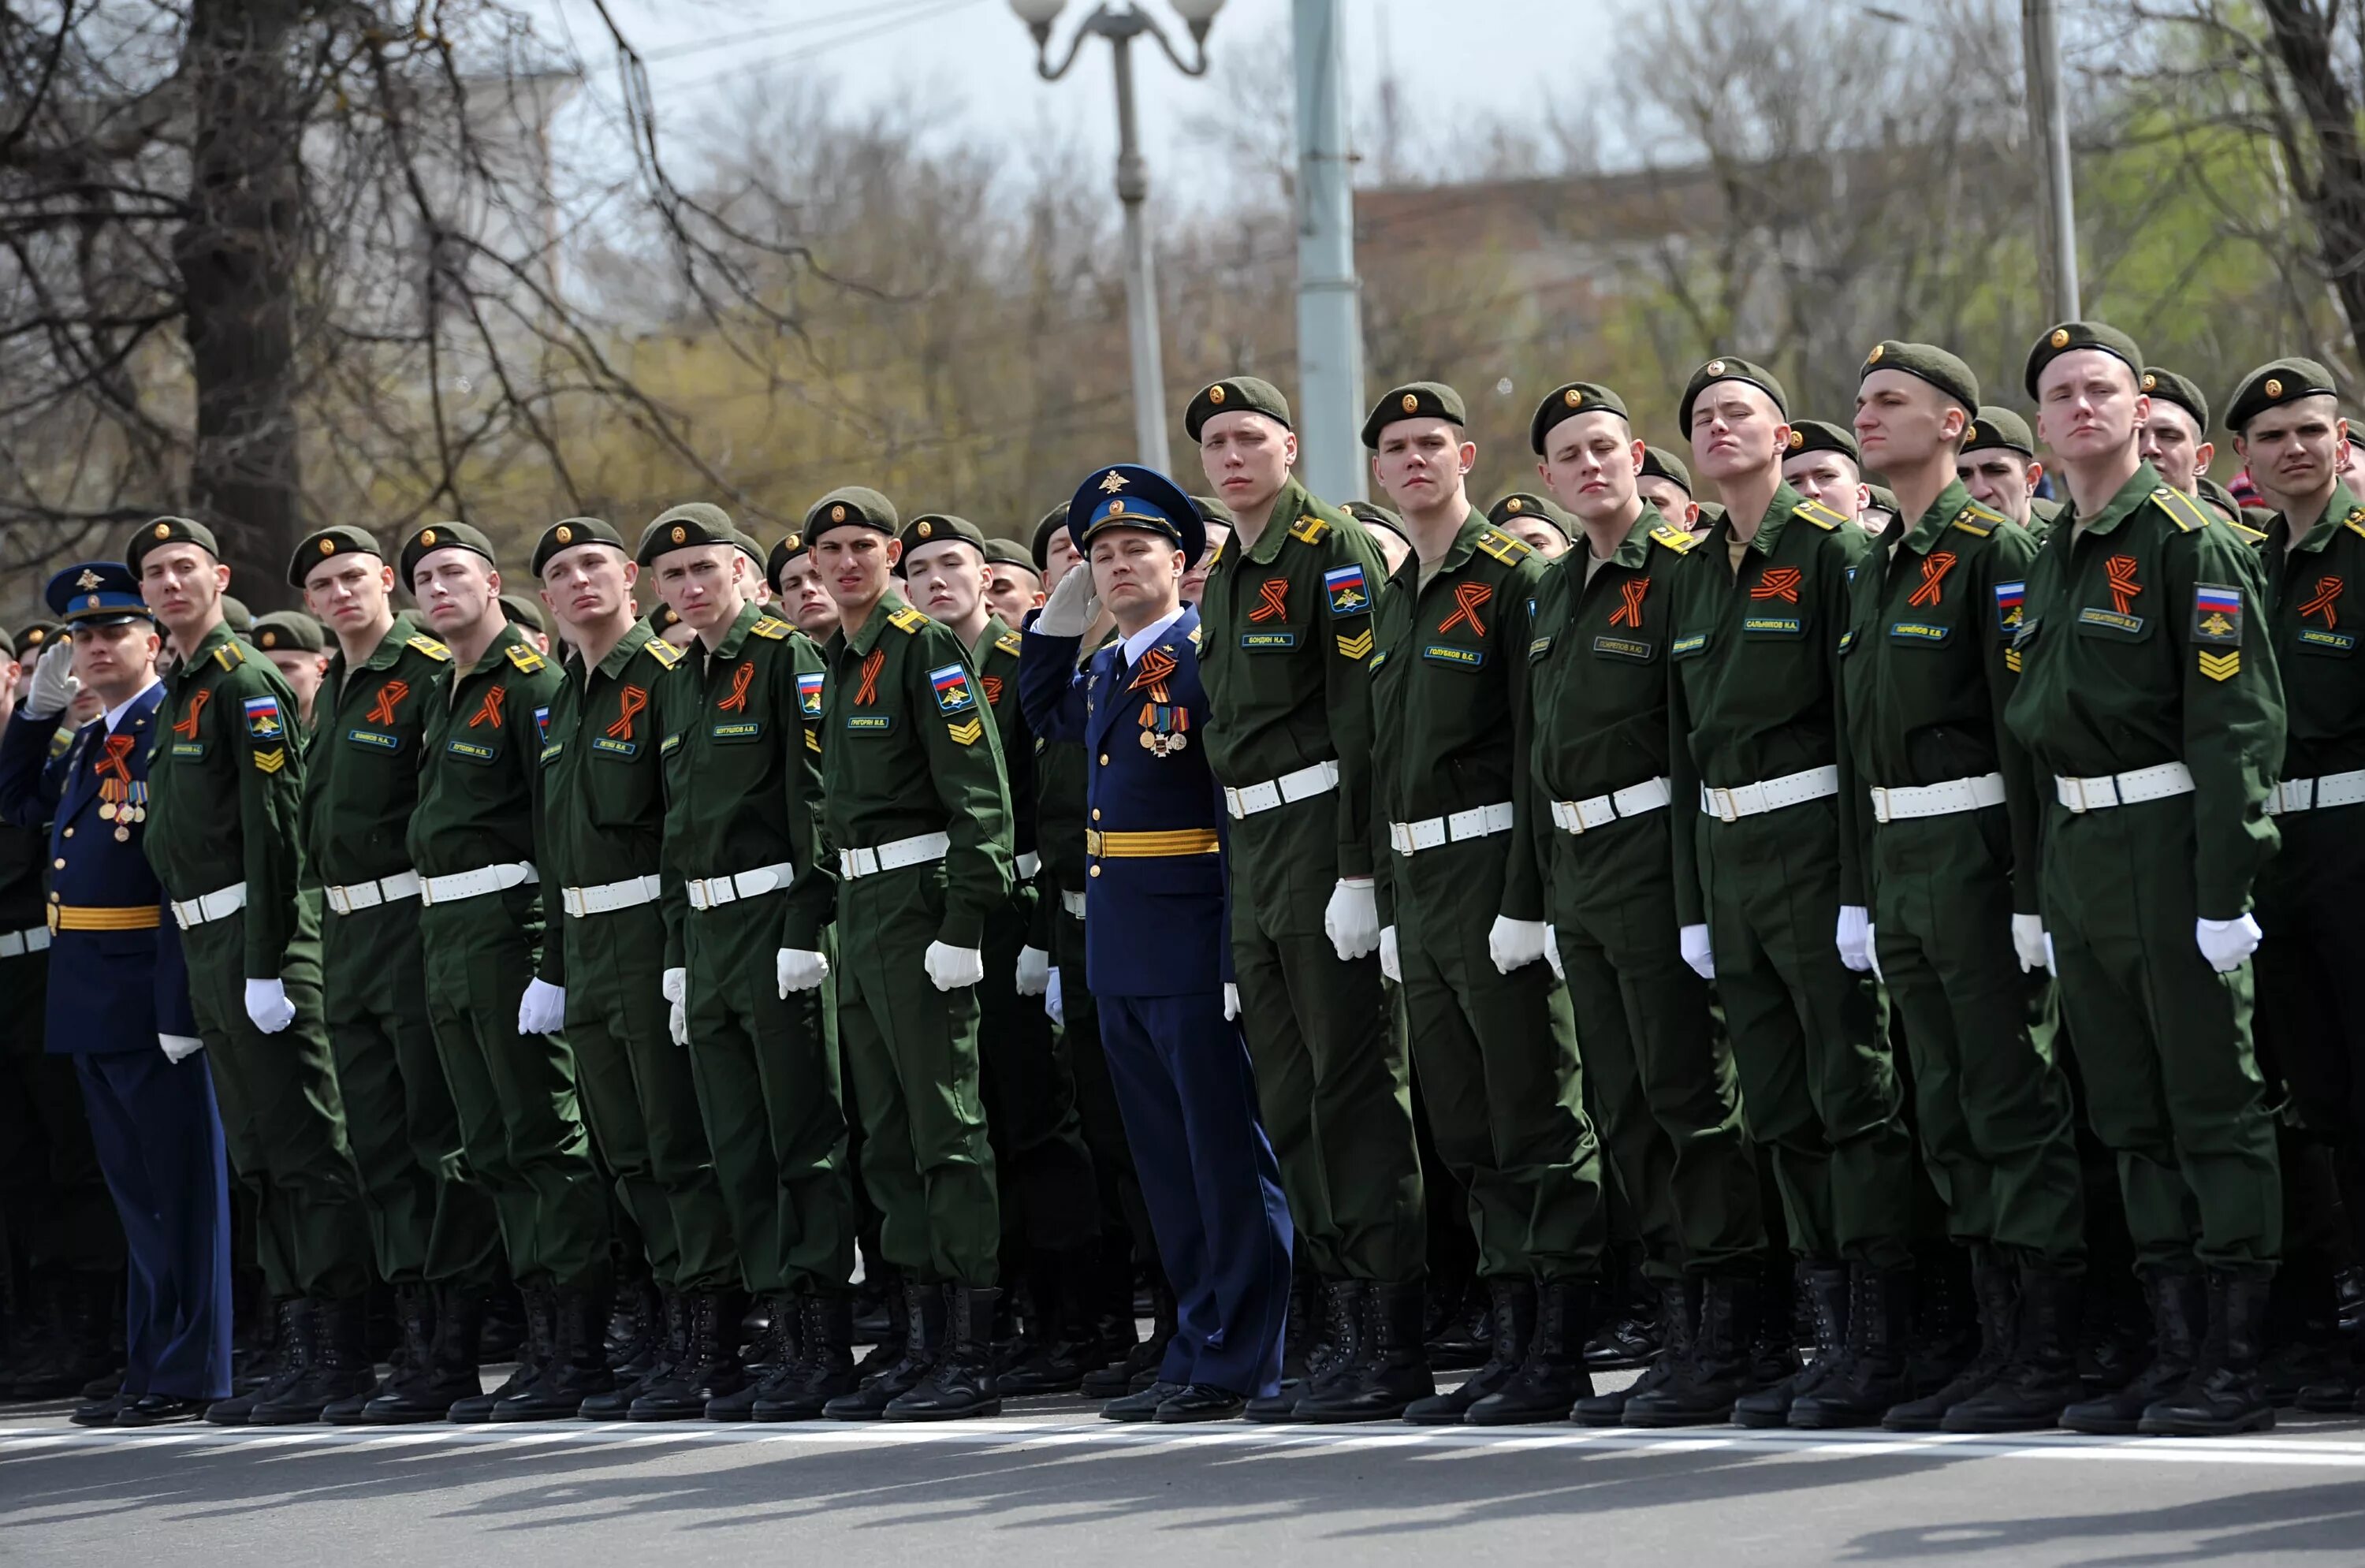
x: 1952, y: 815
x: 1463, y: 932
x: 796, y: 588
x: 431, y: 1221
x: 2175, y: 437
x: 736, y: 723
x: 1286, y: 647
x: 2148, y: 693
x: 1998, y: 466
x: 2311, y: 997
x: 298, y: 647
x: 1157, y: 941
x: 1823, y: 464
x: 1050, y: 1212
x: 604, y: 819
x: 1769, y: 881
x: 476, y: 842
x: 1666, y: 484
x: 117, y: 1013
x: 1656, y: 1065
x: 1014, y: 583
x: 916, y: 810
x: 1534, y: 521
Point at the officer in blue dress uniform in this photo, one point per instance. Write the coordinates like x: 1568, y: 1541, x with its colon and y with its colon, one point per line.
x: 1154, y: 946
x: 118, y: 998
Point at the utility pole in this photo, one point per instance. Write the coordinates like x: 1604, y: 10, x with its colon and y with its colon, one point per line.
x: 1329, y: 298
x: 2048, y: 123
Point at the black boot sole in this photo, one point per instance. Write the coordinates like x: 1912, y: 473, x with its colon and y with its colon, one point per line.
x: 984, y: 1407
x: 2233, y: 1427
x: 1651, y: 1420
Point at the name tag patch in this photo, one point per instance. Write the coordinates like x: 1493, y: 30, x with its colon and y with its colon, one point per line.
x: 1771, y: 626
x: 1918, y: 632
x: 1625, y: 648
x: 1449, y: 654
x: 1263, y: 641
x: 375, y: 740
x: 2116, y: 621
x: 192, y: 749
x: 608, y: 743
x: 470, y: 750
x: 876, y: 721
x: 1684, y: 647
x: 743, y: 730
x: 2330, y: 642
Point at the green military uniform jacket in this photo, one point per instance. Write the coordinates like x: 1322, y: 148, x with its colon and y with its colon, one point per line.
x: 603, y: 808
x: 1449, y: 693
x: 225, y: 755
x: 906, y: 750
x: 741, y: 742
x: 2315, y: 598
x: 480, y: 766
x: 361, y: 773
x: 1754, y: 674
x: 1285, y: 661
x: 2139, y: 645
x: 995, y: 659
x: 1927, y: 663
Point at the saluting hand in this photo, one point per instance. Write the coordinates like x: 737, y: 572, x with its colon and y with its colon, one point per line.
x: 54, y: 684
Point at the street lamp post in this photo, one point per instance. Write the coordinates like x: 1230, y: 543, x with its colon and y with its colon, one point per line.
x: 1121, y: 24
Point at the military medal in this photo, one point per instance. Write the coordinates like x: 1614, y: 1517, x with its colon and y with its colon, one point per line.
x: 1163, y: 721
x: 122, y: 835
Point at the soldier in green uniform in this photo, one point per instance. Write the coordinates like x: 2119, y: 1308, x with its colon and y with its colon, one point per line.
x: 2148, y: 695
x: 1666, y: 485
x: 1769, y: 881
x: 431, y: 1223
x: 1822, y: 463
x: 1491, y: 1032
x: 1050, y: 1212
x: 2175, y: 438
x: 1534, y: 521
x: 1654, y: 1061
x: 1014, y: 583
x: 224, y: 788
x: 298, y: 647
x: 916, y: 808
x: 1998, y: 465
x: 1951, y: 860
x: 493, y: 995
x: 796, y: 588
x: 1286, y: 659
x: 2310, y: 997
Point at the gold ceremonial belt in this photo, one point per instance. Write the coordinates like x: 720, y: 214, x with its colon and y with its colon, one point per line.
x: 1149, y: 846
x: 138, y: 918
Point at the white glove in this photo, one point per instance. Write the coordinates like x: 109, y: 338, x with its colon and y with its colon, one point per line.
x: 1872, y: 951
x: 1693, y: 939
x: 266, y: 1003
x: 1352, y: 921
x: 2028, y: 940
x: 2049, y: 967
x: 798, y: 968
x: 1034, y: 971
x: 1514, y: 944
x: 1055, y: 1003
x: 1231, y: 1001
x: 1854, y: 937
x: 54, y: 684
x: 953, y: 967
x: 543, y: 1009
x: 2226, y: 943
x: 1552, y: 955
x: 1027, y: 865
x: 1390, y: 963
x: 675, y: 985
x: 1073, y: 606
x: 179, y: 1049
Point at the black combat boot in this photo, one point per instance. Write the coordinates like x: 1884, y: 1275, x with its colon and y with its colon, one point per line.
x: 1512, y: 1305
x: 2303, y: 1340
x: 414, y: 1353
x: 1552, y: 1377
x: 1948, y: 1332
x: 960, y: 1379
x: 924, y: 1337
x: 641, y: 1317
x: 669, y: 1337
x: 535, y: 1353
x: 1627, y: 1332
x: 708, y: 1366
x: 2226, y: 1394
x: 442, y: 1375
x: 1060, y: 1336
x: 292, y: 1351
x: 1392, y: 1370
x: 1679, y: 1302
x: 1719, y: 1366
x: 579, y: 1360
x: 1458, y: 1325
x: 2337, y: 1392
x: 823, y: 1369
x: 70, y: 1335
x: 1338, y: 1342
x: 1872, y: 1374
x: 2039, y: 1380
x: 773, y: 1354
x: 2180, y: 1316
x: 339, y: 1367
x: 1995, y: 1287
x: 1822, y: 1286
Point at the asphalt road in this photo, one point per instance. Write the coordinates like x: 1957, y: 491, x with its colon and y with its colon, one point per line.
x: 1045, y: 1486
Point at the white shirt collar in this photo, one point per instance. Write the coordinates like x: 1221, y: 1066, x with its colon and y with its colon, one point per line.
x: 115, y: 715
x: 1139, y: 643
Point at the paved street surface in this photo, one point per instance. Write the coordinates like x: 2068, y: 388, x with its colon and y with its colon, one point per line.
x: 1048, y: 1486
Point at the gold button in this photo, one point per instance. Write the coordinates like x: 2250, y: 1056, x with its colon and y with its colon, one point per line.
x: 59, y: 863
x: 1096, y: 870
x: 1096, y: 816
x: 1215, y: 396
x: 2060, y: 338
x: 69, y: 832
x: 1104, y: 763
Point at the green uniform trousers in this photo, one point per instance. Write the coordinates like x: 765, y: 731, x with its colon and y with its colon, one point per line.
x: 640, y: 1099
x: 1654, y: 1060
x: 1049, y: 1201
x: 431, y: 1220
x: 766, y: 1074
x: 1497, y: 1055
x: 515, y: 1094
x: 1991, y: 1106
x: 283, y: 1120
x: 912, y: 1052
x: 55, y: 1210
x: 2163, y: 1040
x: 1816, y: 1087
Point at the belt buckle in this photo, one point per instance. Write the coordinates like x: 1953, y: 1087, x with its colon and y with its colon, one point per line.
x: 2077, y: 789
x: 571, y: 899
x: 340, y: 901
x: 1723, y: 804
x: 1881, y: 803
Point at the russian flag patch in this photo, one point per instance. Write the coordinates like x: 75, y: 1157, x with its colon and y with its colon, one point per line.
x: 809, y: 688
x: 2008, y: 603
x: 951, y: 685
x: 2216, y: 613
x: 1350, y: 594
x: 263, y: 719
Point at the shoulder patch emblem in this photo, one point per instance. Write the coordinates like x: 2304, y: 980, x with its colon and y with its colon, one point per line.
x: 230, y: 655
x: 1358, y: 647
x: 907, y: 620
x: 262, y: 719
x: 430, y: 647
x: 769, y: 628
x: 1310, y: 529
x: 950, y: 683
x: 1350, y: 593
x: 271, y: 761
x: 2181, y: 509
x: 2355, y: 521
x: 2009, y: 598
x: 1821, y: 515
x: 1672, y: 538
x: 2216, y: 615
x: 810, y: 687
x: 665, y: 652
x: 525, y: 658
x: 1503, y: 547
x: 968, y: 734
x: 2222, y: 667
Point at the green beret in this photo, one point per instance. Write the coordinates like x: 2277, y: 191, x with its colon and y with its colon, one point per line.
x: 936, y: 527
x: 1566, y: 403
x: 1372, y: 516
x: 322, y: 545
x: 441, y: 536
x: 855, y: 504
x: 690, y: 525
x: 2272, y: 385
x: 2182, y: 390
x: 1229, y: 396
x: 1054, y: 521
x: 1000, y: 552
x: 236, y: 615
x: 1884, y: 497
x: 1414, y: 400
x: 1666, y: 465
x: 7, y: 644
x: 569, y: 532
x: 1526, y: 504
x: 748, y: 547
x: 285, y: 629
x: 1730, y: 369
x: 1710, y: 514
x: 1927, y: 363
x: 662, y: 615
x: 1212, y: 511
x: 2218, y: 496
x: 32, y: 637
x: 786, y: 551
x: 525, y: 612
x: 2071, y: 336
x: 2045, y: 509
x: 1821, y: 435
x: 167, y: 530
x: 1998, y: 426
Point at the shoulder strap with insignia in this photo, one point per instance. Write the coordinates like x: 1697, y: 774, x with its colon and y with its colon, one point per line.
x: 1502, y: 546
x: 1821, y: 515
x: 2247, y: 534
x: 1977, y: 520
x: 430, y: 647
x: 665, y: 652
x: 2182, y: 509
x: 1217, y: 553
x: 525, y: 658
x: 907, y: 620
x: 1009, y: 642
x: 1310, y: 528
x: 2355, y: 521
x: 1672, y: 538
x: 230, y: 655
x: 1195, y: 631
x: 770, y: 628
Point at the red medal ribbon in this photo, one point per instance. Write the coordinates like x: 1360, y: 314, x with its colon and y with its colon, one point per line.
x: 2123, y: 586
x: 868, y: 692
x: 187, y: 728
x: 113, y: 768
x: 1934, y: 572
x: 1778, y: 582
x: 393, y: 692
x: 632, y: 702
x: 2325, y: 603
x: 1272, y: 599
x: 491, y: 712
x: 741, y: 680
x: 1630, y: 613
x: 1468, y: 600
